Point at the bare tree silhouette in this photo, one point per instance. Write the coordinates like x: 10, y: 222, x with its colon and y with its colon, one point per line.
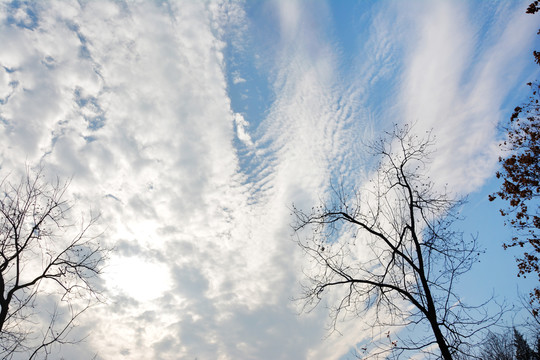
x: 43, y: 255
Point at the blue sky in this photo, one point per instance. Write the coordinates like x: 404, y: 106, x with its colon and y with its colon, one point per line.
x: 193, y: 126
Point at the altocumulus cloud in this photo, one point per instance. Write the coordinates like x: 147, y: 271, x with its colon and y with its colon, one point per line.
x: 132, y: 100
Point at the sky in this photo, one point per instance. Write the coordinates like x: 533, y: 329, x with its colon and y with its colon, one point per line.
x: 193, y: 126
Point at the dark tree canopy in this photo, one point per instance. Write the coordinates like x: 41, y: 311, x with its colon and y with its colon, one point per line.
x: 523, y: 350
x: 44, y: 255
x: 521, y: 180
x: 533, y: 8
x: 391, y: 249
x: 510, y: 345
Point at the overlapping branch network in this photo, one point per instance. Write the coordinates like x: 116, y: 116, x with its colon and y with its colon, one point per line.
x: 43, y: 254
x: 392, y: 249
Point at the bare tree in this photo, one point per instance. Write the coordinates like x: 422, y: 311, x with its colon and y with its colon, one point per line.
x: 391, y: 250
x: 44, y: 257
x: 498, y: 347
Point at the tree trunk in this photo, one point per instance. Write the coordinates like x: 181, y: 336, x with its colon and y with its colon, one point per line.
x: 3, y: 313
x: 443, y: 346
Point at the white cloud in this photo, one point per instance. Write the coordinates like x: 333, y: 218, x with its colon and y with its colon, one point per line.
x: 163, y: 146
x: 442, y: 89
x: 237, y: 79
x: 131, y: 99
x: 241, y: 130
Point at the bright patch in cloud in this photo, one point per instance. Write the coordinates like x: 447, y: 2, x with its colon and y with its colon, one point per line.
x: 136, y: 278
